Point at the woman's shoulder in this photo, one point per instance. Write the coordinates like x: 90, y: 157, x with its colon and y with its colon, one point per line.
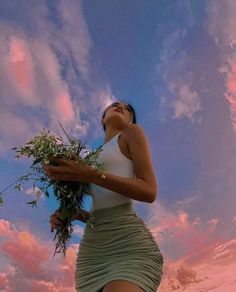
x: 134, y: 129
x: 134, y: 134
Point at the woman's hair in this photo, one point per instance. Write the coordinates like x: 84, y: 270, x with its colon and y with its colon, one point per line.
x: 130, y: 106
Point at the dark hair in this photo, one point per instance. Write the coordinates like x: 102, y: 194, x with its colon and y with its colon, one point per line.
x: 130, y: 106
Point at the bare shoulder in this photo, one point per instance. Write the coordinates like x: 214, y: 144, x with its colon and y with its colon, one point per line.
x: 135, y: 132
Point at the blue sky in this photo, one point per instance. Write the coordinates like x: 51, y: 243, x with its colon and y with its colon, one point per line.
x: 175, y: 62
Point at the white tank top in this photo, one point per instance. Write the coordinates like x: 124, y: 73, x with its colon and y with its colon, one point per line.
x: 115, y: 163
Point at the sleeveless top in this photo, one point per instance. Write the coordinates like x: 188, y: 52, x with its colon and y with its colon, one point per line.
x: 115, y: 162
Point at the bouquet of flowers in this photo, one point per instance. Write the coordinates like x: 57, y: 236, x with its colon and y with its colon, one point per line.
x: 45, y: 149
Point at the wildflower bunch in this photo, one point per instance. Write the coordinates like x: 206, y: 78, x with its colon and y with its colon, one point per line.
x: 70, y: 195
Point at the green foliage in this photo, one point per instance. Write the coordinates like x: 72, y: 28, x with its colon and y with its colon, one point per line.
x: 70, y: 195
x: 33, y: 203
x: 1, y: 200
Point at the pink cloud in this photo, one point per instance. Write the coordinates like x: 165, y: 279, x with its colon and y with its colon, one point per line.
x: 208, y: 271
x: 221, y: 25
x: 21, y: 65
x: 231, y: 91
x: 32, y: 84
x: 197, y: 257
x: 4, y: 283
x: 64, y: 107
x: 187, y: 234
x: 203, y: 266
x: 32, y: 266
x: 5, y: 229
x: 232, y: 104
x: 40, y: 285
x: 31, y: 76
x: 28, y: 254
x: 231, y: 80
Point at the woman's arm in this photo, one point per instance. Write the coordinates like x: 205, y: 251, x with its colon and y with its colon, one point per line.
x: 144, y: 186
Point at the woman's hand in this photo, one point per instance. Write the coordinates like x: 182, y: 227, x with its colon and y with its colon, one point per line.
x: 55, y: 220
x: 69, y: 170
x: 82, y: 216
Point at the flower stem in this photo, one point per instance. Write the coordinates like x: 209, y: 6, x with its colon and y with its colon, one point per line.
x: 10, y: 185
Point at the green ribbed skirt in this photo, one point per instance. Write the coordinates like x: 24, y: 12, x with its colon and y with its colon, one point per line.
x: 118, y: 246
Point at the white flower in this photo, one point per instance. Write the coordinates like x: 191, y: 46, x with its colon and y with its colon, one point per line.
x: 34, y: 191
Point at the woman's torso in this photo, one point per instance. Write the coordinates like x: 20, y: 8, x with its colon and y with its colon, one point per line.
x: 116, y: 159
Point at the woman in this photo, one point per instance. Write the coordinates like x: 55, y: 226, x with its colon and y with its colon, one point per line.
x: 118, y: 253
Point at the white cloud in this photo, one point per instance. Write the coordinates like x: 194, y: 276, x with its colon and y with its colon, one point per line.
x: 222, y: 27
x: 180, y: 99
x: 187, y: 102
x: 45, y: 75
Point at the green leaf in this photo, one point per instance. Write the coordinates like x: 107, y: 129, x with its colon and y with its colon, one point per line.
x: 36, y: 161
x: 64, y: 213
x: 1, y: 200
x: 18, y: 187
x: 47, y: 193
x: 33, y: 203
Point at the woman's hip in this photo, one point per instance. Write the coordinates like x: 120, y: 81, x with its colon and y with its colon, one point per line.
x: 118, y: 231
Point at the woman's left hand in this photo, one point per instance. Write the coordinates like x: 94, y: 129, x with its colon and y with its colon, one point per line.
x: 69, y: 170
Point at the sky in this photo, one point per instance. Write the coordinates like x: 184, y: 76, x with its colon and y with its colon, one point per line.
x: 175, y: 62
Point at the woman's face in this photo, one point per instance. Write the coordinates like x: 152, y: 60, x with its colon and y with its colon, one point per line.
x: 121, y: 111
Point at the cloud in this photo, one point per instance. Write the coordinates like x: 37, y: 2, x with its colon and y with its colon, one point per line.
x: 212, y: 271
x: 222, y: 27
x: 196, y: 251
x: 187, y: 233
x: 31, y: 266
x: 221, y: 22
x: 230, y: 95
x: 5, y: 229
x: 174, y: 77
x: 196, y: 264
x: 31, y: 84
x: 28, y: 254
x: 21, y: 65
x: 4, y: 283
x: 78, y: 230
x: 46, y: 73
x: 76, y: 32
x: 188, y: 102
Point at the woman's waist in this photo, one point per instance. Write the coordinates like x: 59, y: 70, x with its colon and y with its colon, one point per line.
x: 121, y: 210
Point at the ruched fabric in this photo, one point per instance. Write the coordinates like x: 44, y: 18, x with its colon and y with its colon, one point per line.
x: 118, y: 245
